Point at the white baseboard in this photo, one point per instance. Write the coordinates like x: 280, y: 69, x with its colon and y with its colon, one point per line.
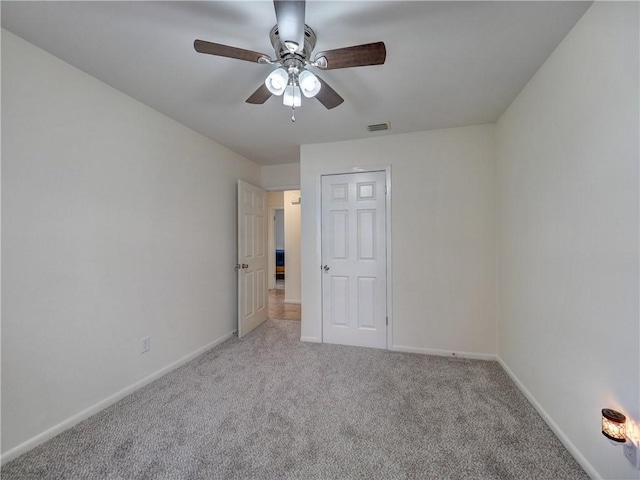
x: 297, y: 302
x: 443, y: 353
x: 584, y: 463
x: 310, y: 339
x: 84, y: 414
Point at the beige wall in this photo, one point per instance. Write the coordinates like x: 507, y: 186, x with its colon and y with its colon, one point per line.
x: 275, y: 199
x: 443, y: 235
x: 292, y: 242
x: 292, y: 293
x: 568, y: 234
x: 117, y: 223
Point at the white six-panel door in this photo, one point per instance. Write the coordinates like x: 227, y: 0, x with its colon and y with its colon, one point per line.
x: 252, y: 257
x: 354, y: 286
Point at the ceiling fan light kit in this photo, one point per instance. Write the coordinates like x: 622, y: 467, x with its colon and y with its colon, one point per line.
x: 291, y: 83
x: 293, y: 42
x: 292, y: 97
x: 309, y: 84
x: 277, y: 81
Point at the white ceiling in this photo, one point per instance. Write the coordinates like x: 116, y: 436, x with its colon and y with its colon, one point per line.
x: 448, y: 63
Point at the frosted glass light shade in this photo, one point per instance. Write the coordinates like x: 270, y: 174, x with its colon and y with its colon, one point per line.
x: 292, y: 97
x: 613, y: 425
x: 309, y: 84
x: 277, y: 80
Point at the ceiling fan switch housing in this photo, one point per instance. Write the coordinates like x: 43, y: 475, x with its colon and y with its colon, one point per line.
x: 282, y: 50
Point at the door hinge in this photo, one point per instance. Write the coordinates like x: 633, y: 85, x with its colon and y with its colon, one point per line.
x: 385, y: 189
x: 387, y: 321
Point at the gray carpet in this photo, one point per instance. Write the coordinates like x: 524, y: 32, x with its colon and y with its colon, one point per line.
x: 269, y: 406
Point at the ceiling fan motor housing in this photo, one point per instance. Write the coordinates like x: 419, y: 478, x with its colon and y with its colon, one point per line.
x: 283, y: 53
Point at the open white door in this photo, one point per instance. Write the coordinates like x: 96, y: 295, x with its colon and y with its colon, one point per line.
x: 354, y: 277
x: 252, y: 258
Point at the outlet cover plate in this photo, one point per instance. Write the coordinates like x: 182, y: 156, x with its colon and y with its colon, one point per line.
x: 146, y: 344
x: 631, y: 453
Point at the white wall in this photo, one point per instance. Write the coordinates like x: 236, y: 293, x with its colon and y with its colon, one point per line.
x: 292, y: 258
x: 281, y: 177
x: 443, y: 235
x: 568, y: 236
x: 117, y: 223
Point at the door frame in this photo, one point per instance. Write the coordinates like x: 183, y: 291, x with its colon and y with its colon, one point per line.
x: 389, y: 249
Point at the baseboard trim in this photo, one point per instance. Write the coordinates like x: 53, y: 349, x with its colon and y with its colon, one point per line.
x: 297, y: 302
x: 443, y: 353
x: 310, y: 339
x: 573, y: 450
x: 92, y: 410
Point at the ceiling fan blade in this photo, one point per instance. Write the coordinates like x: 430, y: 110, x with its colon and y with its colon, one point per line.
x: 356, y: 56
x: 327, y: 96
x: 226, y: 51
x: 261, y: 95
x: 290, y: 17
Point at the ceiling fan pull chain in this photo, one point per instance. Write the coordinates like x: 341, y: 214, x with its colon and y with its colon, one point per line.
x: 293, y: 114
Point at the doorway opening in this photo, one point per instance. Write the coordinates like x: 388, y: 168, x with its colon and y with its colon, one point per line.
x: 284, y: 255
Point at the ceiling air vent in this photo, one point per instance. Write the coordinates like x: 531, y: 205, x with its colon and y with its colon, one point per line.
x: 378, y: 127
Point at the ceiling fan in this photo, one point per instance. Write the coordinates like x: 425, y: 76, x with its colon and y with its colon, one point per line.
x: 293, y: 42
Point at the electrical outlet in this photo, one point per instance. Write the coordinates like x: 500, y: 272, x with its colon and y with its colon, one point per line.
x: 631, y: 452
x: 146, y: 344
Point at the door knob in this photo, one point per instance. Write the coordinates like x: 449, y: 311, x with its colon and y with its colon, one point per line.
x: 244, y: 265
x: 326, y: 268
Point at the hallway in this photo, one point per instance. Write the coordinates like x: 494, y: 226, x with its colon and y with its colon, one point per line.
x: 279, y: 310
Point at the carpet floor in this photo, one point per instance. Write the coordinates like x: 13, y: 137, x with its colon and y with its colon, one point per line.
x: 269, y: 406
